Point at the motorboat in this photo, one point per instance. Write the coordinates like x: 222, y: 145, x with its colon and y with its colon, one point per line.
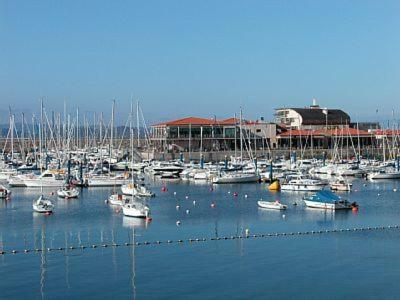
x: 118, y: 199
x: 135, y: 209
x: 139, y: 190
x: 328, y: 200
x: 271, y: 205
x: 4, y: 192
x: 303, y: 183
x: 236, y: 177
x: 340, y: 185
x: 385, y: 173
x: 108, y: 180
x: 43, y: 205
x: 48, y: 178
x: 68, y: 191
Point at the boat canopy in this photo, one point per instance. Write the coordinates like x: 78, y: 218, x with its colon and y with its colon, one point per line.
x: 325, y: 196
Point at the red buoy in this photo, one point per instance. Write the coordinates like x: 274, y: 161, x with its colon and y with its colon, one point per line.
x: 235, y: 194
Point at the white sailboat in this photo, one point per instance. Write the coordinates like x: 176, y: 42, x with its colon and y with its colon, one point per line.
x: 43, y: 205
x: 68, y: 191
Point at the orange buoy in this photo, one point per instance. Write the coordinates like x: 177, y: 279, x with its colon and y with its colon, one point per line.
x: 355, y: 208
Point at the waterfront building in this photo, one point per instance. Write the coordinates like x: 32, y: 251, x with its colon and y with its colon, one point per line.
x: 312, y: 118
x: 192, y: 134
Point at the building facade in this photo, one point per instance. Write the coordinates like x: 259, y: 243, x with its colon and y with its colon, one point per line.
x: 312, y: 118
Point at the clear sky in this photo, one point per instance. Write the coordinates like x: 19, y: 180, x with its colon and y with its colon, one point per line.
x: 201, y: 58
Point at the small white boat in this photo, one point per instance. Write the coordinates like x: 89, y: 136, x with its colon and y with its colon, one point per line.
x: 271, y: 205
x: 341, y: 185
x: 136, y: 190
x: 118, y: 199
x: 135, y: 209
x: 68, y: 192
x: 4, y: 192
x: 43, y: 205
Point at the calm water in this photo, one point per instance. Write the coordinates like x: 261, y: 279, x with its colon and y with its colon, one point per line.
x: 343, y: 265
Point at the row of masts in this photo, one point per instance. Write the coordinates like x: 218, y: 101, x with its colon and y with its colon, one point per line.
x: 65, y: 133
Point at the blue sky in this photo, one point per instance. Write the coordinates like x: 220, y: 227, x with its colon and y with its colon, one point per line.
x: 201, y: 57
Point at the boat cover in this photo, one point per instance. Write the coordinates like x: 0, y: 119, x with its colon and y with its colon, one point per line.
x: 325, y: 196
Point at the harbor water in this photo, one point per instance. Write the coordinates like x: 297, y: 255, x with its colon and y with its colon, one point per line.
x: 357, y: 264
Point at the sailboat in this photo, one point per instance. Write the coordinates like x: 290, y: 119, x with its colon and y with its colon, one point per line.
x: 42, y: 205
x: 134, y: 208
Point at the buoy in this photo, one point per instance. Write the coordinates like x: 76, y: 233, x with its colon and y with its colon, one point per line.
x: 187, y: 211
x: 395, y: 190
x: 174, y: 193
x: 245, y: 196
x: 187, y: 197
x: 178, y: 223
x: 177, y: 207
x: 247, y: 231
x: 194, y: 202
x: 211, y: 189
x: 149, y: 219
x: 283, y: 216
x: 164, y: 189
x: 355, y: 208
x: 379, y: 194
x: 229, y: 192
x: 212, y: 205
x: 274, y: 186
x: 235, y: 194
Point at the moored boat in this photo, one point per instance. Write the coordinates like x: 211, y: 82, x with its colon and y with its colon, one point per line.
x: 43, y: 205
x: 328, y: 200
x: 271, y: 205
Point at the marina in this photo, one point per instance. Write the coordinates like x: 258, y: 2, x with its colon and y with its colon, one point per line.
x: 199, y: 150
x: 217, y: 216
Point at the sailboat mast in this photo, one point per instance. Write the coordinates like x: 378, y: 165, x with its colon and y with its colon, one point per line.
x: 137, y: 123
x: 241, y: 136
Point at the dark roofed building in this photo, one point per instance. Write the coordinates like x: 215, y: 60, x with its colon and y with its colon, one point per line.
x: 313, y: 117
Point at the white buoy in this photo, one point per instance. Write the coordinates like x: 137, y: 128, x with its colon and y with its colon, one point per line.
x: 379, y: 194
x: 174, y: 193
x: 395, y: 190
x: 177, y: 207
x: 247, y: 231
x: 178, y: 223
x: 187, y: 197
x: 194, y: 202
x: 283, y: 216
x: 187, y: 211
x: 245, y: 195
x: 229, y: 192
